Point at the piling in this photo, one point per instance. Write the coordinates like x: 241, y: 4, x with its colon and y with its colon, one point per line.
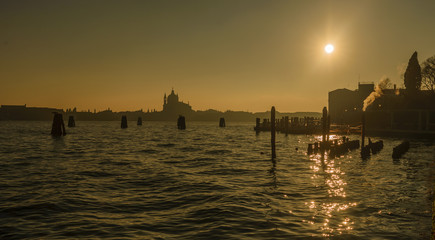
x: 58, y: 127
x: 365, y: 152
x: 316, y: 147
x: 324, y: 119
x: 401, y: 149
x: 257, y: 124
x: 139, y: 121
x: 181, y: 123
x: 222, y: 122
x: 310, y: 149
x: 354, y: 144
x: 71, y: 122
x: 363, y: 129
x: 124, y: 121
x: 334, y: 151
x: 376, y: 147
x: 286, y: 125
x: 328, y: 127
x: 282, y: 125
x: 324, y: 129
x: 272, y: 131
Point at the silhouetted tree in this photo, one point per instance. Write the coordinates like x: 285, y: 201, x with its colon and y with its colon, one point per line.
x: 428, y: 74
x: 412, y: 75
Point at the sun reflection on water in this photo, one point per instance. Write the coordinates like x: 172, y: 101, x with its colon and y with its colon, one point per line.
x: 329, y: 213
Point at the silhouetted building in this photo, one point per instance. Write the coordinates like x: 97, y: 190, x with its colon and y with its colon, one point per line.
x: 345, y: 105
x: 389, y: 114
x: 22, y: 112
x: 172, y: 106
x: 404, y: 122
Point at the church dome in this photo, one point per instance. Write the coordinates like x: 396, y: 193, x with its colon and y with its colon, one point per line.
x: 172, y: 98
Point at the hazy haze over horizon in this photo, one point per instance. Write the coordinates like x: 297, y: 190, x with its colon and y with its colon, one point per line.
x: 238, y: 55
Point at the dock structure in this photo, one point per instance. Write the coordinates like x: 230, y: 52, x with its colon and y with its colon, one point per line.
x: 58, y: 127
x: 286, y: 123
x: 307, y: 125
x: 292, y: 125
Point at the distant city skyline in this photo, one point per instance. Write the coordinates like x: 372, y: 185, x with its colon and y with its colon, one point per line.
x: 242, y: 55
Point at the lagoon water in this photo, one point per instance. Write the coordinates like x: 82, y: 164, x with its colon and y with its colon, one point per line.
x: 157, y: 182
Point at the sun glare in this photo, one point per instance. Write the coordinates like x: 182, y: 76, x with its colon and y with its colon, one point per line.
x: 329, y: 48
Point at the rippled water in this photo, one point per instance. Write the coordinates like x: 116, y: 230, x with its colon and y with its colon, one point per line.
x: 156, y: 182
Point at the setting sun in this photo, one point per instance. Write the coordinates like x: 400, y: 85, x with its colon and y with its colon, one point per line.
x: 329, y: 48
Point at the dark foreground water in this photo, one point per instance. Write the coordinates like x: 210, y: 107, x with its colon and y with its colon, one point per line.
x: 156, y: 182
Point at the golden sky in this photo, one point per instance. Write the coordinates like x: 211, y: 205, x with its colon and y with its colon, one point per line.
x: 222, y: 54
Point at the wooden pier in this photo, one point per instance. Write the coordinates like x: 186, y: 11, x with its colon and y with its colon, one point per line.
x: 293, y: 125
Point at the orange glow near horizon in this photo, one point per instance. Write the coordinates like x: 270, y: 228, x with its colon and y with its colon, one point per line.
x: 216, y: 55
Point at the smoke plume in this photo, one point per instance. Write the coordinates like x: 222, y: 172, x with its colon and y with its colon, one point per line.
x: 383, y: 84
x: 401, y: 69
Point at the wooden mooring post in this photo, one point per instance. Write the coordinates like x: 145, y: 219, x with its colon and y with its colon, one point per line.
x: 328, y: 126
x: 222, y: 122
x: 286, y: 125
x: 58, y: 127
x: 272, y: 131
x: 310, y: 149
x: 139, y: 121
x: 181, y: 122
x: 401, y: 149
x: 365, y: 150
x: 324, y: 128
x: 124, y: 122
x: 71, y: 122
x: 257, y: 125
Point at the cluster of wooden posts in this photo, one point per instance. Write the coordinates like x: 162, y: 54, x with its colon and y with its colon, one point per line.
x: 333, y: 148
x: 293, y: 125
x: 371, y: 147
x: 58, y: 127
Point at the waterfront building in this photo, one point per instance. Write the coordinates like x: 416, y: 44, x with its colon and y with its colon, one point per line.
x: 172, y: 106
